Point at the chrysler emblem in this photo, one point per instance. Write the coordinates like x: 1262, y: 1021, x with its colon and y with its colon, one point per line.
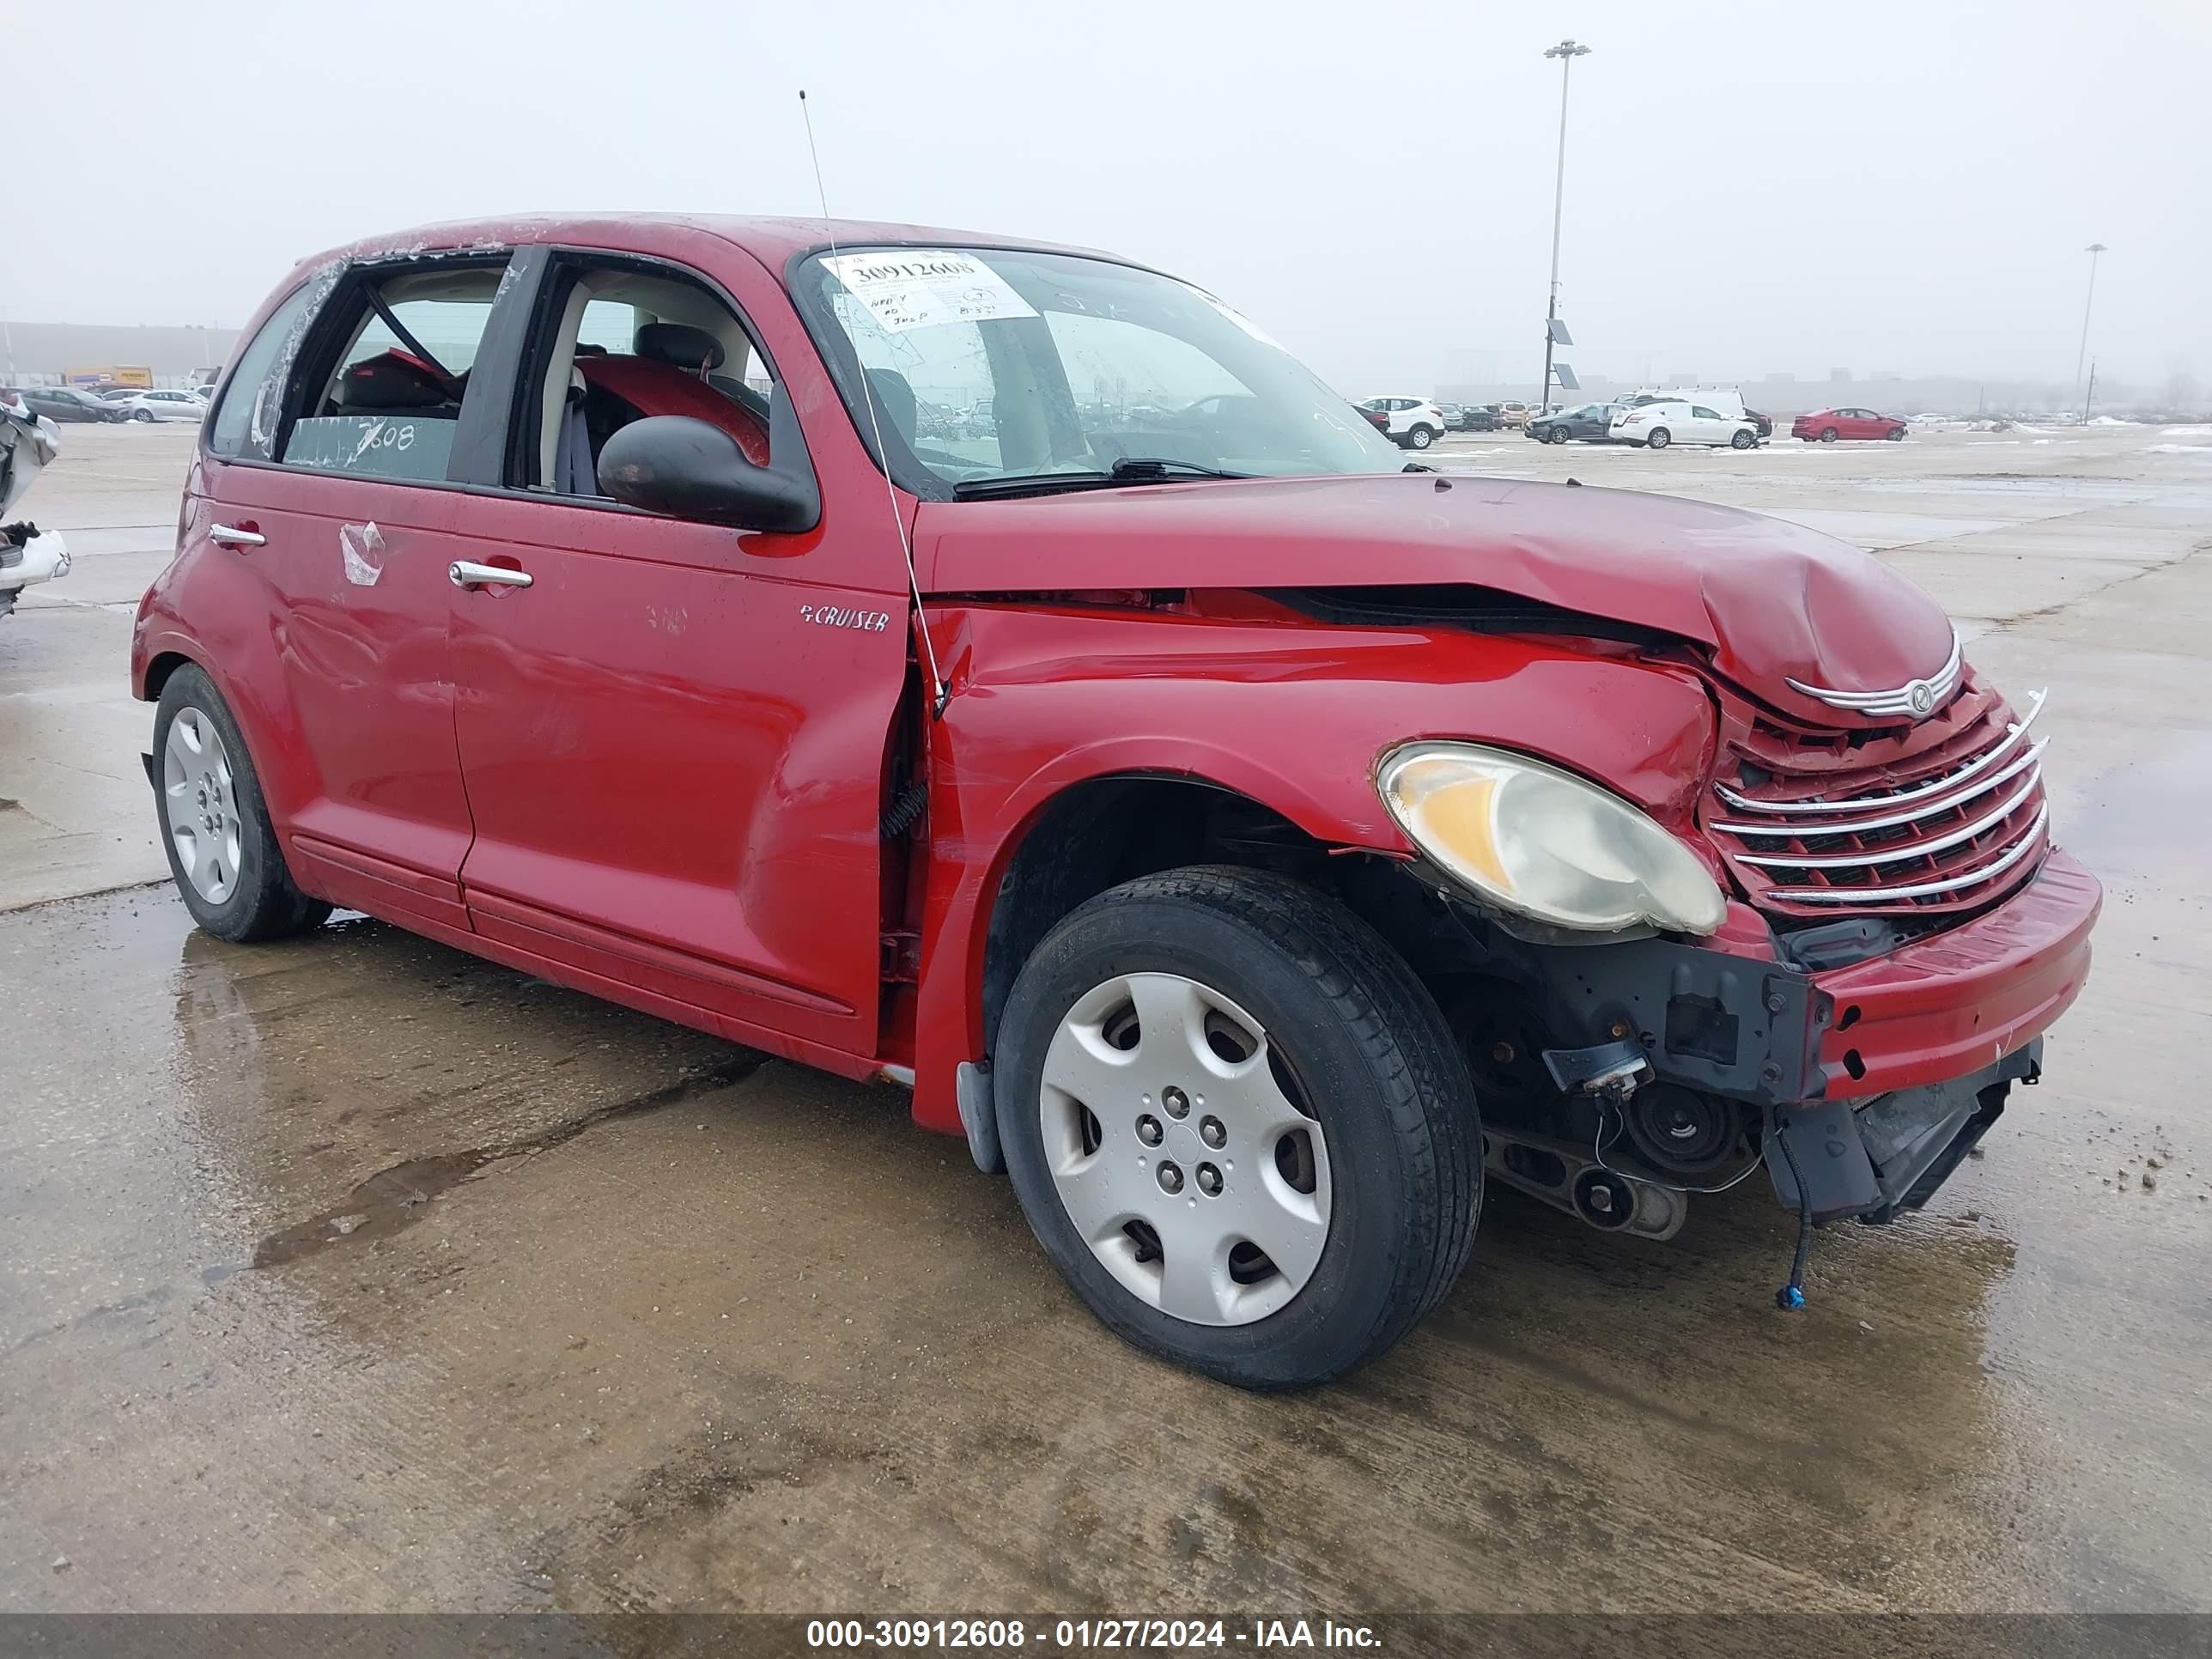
x: 1915, y: 699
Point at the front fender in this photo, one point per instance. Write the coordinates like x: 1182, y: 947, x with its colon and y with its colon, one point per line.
x: 1293, y: 715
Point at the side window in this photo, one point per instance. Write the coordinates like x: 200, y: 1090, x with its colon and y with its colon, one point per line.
x: 258, y: 383
x: 1703, y: 413
x: 622, y: 344
x: 390, y: 404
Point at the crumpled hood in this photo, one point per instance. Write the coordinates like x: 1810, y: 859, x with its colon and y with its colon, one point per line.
x: 1773, y: 600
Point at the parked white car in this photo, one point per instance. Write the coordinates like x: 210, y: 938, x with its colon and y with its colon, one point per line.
x: 1415, y: 423
x: 160, y: 404
x: 1657, y: 425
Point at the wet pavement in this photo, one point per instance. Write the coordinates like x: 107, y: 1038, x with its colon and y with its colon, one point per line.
x: 352, y: 1273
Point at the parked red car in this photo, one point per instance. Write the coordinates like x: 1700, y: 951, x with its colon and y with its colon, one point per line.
x: 1827, y: 425
x: 1247, y: 843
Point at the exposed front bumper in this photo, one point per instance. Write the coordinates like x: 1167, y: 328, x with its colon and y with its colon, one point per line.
x: 1756, y: 1029
x: 1870, y: 1160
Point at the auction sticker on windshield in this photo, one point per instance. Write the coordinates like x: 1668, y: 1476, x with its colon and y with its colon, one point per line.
x: 913, y: 288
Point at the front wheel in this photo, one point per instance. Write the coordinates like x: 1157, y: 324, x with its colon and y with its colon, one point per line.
x: 1238, y: 1125
x: 1420, y: 437
x: 214, y: 825
x: 1660, y: 438
x: 1828, y: 434
x: 1556, y: 434
x: 1742, y: 440
x: 1894, y: 434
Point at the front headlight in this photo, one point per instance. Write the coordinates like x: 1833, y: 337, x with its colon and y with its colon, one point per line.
x: 1541, y: 841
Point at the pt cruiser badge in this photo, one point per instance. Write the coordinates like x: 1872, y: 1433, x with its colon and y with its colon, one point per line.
x: 836, y: 615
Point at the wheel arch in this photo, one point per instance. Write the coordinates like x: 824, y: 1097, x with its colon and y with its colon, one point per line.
x: 1078, y: 828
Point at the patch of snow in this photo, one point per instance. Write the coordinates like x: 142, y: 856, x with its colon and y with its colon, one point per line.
x: 2181, y: 449
x: 2187, y: 432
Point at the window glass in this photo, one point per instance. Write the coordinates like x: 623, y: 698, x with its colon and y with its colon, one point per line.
x: 230, y: 433
x: 646, y: 344
x: 983, y: 363
x: 392, y: 406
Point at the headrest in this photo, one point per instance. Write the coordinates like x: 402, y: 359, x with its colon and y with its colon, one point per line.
x: 680, y: 344
x: 652, y: 388
x: 391, y: 379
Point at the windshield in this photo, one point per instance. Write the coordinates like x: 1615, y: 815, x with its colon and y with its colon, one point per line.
x: 983, y: 365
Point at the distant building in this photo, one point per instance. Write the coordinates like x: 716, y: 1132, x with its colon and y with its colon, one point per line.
x: 38, y: 353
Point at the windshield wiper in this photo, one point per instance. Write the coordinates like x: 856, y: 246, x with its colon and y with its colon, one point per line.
x: 1153, y: 466
x: 1130, y: 469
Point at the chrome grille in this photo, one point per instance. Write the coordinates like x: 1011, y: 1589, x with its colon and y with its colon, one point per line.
x: 1940, y: 829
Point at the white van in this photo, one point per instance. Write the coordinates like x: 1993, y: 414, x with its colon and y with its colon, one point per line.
x: 1725, y: 400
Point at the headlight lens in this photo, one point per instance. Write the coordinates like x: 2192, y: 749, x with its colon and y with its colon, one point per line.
x: 1543, y: 842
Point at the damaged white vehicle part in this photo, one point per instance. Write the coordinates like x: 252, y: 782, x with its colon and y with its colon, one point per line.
x: 28, y: 444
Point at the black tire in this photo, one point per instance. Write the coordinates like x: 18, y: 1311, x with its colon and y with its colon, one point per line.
x: 263, y: 903
x: 1742, y: 439
x: 1421, y: 437
x: 145, y: 414
x: 1378, y: 1069
x: 1660, y: 438
x: 1895, y: 434
x: 1828, y: 434
x: 1556, y: 434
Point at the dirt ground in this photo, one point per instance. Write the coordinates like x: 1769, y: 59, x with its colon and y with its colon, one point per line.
x: 354, y: 1273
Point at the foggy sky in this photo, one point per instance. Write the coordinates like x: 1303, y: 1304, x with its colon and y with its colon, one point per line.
x: 1750, y: 188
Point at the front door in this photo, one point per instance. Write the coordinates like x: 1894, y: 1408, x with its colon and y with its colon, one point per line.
x: 674, y: 735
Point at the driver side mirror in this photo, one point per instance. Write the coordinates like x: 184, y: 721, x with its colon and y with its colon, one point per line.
x: 689, y: 469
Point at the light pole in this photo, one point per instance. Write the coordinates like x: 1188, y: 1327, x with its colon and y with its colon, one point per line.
x: 1566, y: 52
x: 2092, y: 251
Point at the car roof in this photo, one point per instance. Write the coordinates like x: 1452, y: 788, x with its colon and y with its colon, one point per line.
x: 772, y: 241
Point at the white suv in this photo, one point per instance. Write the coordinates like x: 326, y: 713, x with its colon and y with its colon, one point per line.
x: 1415, y: 423
x: 1658, y: 424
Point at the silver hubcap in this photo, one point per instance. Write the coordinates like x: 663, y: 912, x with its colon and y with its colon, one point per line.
x: 200, y: 805
x: 1200, y: 1184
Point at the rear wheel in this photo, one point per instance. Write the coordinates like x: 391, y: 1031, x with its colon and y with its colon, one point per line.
x: 1238, y: 1125
x: 1421, y: 437
x: 1742, y: 439
x: 214, y: 825
x: 1660, y: 438
x: 1828, y: 434
x: 145, y: 414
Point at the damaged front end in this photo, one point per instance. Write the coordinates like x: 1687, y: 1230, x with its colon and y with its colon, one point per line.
x: 1838, y: 981
x: 28, y: 445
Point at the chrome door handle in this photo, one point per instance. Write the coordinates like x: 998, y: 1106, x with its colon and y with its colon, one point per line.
x: 223, y: 535
x: 466, y: 574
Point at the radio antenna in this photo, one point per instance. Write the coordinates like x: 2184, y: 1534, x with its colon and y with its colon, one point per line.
x: 939, y: 692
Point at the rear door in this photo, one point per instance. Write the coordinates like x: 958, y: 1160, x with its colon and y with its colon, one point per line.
x: 338, y: 498
x: 674, y: 738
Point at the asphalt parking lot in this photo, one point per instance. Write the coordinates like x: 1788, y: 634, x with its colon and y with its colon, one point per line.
x: 353, y: 1273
